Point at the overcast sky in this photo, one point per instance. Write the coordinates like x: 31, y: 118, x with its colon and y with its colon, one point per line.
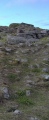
x: 34, y: 12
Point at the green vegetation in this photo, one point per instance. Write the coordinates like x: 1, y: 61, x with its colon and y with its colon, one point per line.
x: 21, y: 71
x: 25, y: 100
x: 12, y: 77
x: 36, y: 70
x: 21, y: 93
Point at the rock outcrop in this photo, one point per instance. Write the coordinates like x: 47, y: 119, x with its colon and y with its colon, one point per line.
x: 24, y: 30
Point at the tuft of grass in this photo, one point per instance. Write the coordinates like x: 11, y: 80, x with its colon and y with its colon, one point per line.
x: 21, y: 93
x: 25, y: 100
x: 36, y: 70
x: 21, y: 98
x: 12, y: 77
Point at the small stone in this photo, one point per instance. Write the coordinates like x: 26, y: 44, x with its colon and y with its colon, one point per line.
x: 16, y: 112
x: 25, y: 51
x: 18, y: 60
x: 24, y: 60
x: 47, y: 44
x: 8, y: 49
x: 5, y: 92
x: 29, y: 81
x: 28, y: 92
x: 31, y: 118
x: 45, y: 77
x: 30, y: 66
x: 1, y: 44
x: 27, y: 77
x: 21, y: 45
x: 46, y: 70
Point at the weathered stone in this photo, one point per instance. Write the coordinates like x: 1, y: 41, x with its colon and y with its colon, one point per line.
x: 17, y: 60
x: 44, y: 32
x: 17, y: 112
x: 30, y: 66
x: 30, y: 83
x: 24, y: 60
x: 46, y: 70
x: 47, y: 44
x: 25, y: 51
x: 33, y: 118
x: 8, y: 49
x: 5, y: 92
x: 45, y: 77
x: 21, y: 44
x: 46, y: 59
x: 1, y: 44
x: 28, y: 92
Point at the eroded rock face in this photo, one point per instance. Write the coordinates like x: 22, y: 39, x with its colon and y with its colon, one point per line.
x: 24, y: 30
x: 27, y: 30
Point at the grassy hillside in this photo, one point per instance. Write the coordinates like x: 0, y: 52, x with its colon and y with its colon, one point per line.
x: 22, y: 71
